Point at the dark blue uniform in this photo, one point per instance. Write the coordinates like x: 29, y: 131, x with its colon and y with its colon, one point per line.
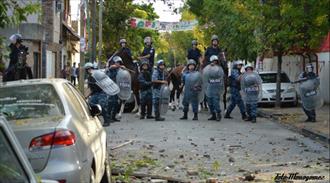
x: 189, y: 95
x: 194, y: 54
x: 211, y: 51
x: 235, y: 97
x: 157, y: 75
x: 113, y: 100
x: 149, y: 50
x: 145, y: 93
x: 98, y: 96
x: 311, y: 114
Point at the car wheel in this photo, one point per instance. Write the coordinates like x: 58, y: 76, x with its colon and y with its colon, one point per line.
x: 106, y: 178
x: 92, y: 176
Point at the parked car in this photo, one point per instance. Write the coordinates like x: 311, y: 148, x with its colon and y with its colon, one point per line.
x: 14, y: 165
x: 59, y: 132
x: 288, y: 91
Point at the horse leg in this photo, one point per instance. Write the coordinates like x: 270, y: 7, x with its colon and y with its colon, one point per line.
x: 122, y: 107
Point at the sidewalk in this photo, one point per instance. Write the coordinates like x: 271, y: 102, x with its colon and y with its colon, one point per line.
x: 294, y: 118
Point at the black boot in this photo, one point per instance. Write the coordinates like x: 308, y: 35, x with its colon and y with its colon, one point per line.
x: 213, y: 117
x: 244, y: 117
x: 185, y: 116
x: 248, y: 119
x: 254, y: 120
x: 158, y: 118
x: 113, y: 117
x: 142, y: 117
x: 227, y: 116
x: 195, y: 116
x: 219, y: 116
x: 150, y: 117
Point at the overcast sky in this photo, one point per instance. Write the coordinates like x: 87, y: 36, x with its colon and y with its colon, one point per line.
x: 164, y: 12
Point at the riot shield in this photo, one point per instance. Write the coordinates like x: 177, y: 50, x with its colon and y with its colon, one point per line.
x: 310, y: 94
x: 164, y: 99
x: 123, y: 80
x: 193, y: 85
x: 213, y: 79
x: 251, y: 87
x: 105, y: 83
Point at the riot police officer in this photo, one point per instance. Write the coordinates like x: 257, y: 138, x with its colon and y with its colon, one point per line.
x: 145, y: 90
x: 213, y: 90
x: 159, y: 78
x: 113, y: 100
x: 235, y: 87
x: 194, y: 53
x: 251, y: 102
x: 17, y: 70
x: 191, y: 91
x: 148, y: 53
x: 309, y: 74
x: 97, y: 95
x: 124, y: 48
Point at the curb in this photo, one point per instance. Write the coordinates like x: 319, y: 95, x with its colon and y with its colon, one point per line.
x: 304, y: 131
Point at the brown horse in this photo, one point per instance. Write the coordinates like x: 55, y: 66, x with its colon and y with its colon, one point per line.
x: 175, y: 77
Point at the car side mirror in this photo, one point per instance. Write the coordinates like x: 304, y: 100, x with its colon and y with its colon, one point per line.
x: 95, y: 110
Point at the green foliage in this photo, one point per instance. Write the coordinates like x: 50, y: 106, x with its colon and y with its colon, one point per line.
x: 115, y: 26
x: 247, y: 27
x: 19, y: 12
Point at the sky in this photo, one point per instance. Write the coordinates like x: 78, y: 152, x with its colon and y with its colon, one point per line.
x: 164, y: 12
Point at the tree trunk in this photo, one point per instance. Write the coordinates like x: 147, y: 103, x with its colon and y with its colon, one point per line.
x: 278, y: 80
x: 93, y: 16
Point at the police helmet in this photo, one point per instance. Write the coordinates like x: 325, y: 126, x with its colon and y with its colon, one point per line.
x: 238, y: 62
x: 214, y: 37
x: 191, y: 62
x: 194, y: 42
x: 309, y: 67
x: 122, y: 41
x: 214, y: 58
x: 15, y: 38
x: 160, y: 62
x: 117, y: 59
x: 88, y: 65
x: 248, y: 66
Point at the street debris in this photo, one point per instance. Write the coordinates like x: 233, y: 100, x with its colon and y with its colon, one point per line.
x: 122, y: 145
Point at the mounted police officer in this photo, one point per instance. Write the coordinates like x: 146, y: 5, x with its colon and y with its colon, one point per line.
x: 252, y: 92
x: 145, y: 90
x: 159, y: 78
x: 214, y: 81
x: 148, y: 53
x: 97, y: 95
x: 192, y: 82
x: 18, y: 68
x: 235, y: 87
x: 124, y: 48
x: 194, y: 53
x: 309, y: 74
x: 112, y: 73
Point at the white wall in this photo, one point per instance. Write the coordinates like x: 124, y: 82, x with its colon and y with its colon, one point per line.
x: 293, y: 66
x: 324, y: 60
x: 50, y: 64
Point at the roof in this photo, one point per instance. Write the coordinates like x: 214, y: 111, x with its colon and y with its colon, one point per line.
x: 33, y: 81
x: 74, y: 35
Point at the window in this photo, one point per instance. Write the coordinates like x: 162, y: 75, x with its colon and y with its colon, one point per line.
x: 271, y: 78
x: 75, y: 102
x: 30, y: 102
x: 10, y: 168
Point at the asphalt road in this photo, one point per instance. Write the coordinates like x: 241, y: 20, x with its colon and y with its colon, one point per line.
x: 227, y: 150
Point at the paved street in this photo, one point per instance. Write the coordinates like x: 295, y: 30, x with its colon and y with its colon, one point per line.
x: 227, y: 150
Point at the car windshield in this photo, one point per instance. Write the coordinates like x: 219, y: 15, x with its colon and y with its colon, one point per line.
x: 271, y: 78
x: 30, y: 101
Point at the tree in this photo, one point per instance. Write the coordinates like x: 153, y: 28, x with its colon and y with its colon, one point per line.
x: 248, y: 27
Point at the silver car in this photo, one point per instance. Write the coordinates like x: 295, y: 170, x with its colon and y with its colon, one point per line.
x: 14, y: 165
x: 59, y: 132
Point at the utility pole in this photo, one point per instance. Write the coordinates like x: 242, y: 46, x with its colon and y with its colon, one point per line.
x: 100, y: 32
x: 93, y: 16
x: 82, y: 47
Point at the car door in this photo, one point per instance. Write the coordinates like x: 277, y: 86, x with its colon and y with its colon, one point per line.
x: 97, y: 131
